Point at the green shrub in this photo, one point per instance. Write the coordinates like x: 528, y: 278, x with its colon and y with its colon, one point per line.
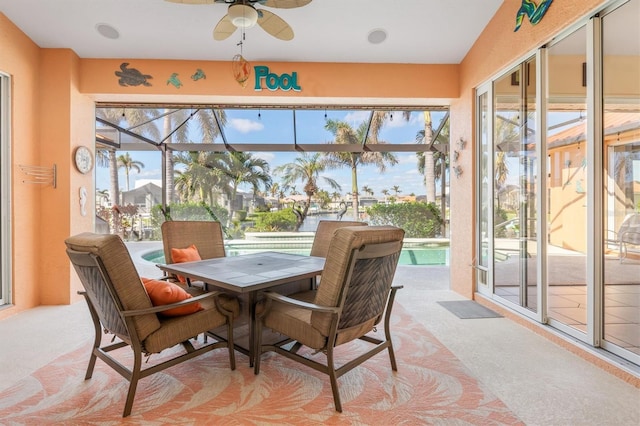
x: 282, y: 220
x: 186, y: 211
x: 418, y: 219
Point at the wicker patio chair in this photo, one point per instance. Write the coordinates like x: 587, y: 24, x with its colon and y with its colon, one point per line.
x: 120, y: 305
x: 206, y: 236
x: 629, y: 233
x: 324, y: 233
x: 355, y: 294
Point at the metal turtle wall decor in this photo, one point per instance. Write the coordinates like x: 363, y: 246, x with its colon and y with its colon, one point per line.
x: 175, y: 80
x: 198, y: 75
x: 535, y: 12
x: 131, y: 76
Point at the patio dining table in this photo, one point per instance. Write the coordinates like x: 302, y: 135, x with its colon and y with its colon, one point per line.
x: 247, y: 275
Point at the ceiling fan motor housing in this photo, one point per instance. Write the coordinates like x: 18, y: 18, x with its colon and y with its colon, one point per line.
x: 242, y: 15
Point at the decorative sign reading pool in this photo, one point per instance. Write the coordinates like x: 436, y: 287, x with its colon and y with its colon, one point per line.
x: 274, y: 81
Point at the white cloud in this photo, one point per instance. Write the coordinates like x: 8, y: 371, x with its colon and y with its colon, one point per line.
x: 357, y: 117
x: 266, y: 156
x: 408, y: 158
x: 244, y: 125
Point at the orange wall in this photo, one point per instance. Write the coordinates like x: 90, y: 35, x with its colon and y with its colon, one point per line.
x: 49, y: 117
x: 497, y: 48
x: 20, y: 57
x: 322, y: 80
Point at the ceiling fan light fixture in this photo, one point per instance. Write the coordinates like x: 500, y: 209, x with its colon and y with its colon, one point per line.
x: 242, y: 15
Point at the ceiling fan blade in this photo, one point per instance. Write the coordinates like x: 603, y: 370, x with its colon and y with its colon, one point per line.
x: 191, y: 1
x: 274, y: 25
x: 285, y: 4
x: 224, y: 28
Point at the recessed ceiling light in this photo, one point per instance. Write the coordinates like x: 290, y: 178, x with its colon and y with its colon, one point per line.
x: 107, y: 31
x: 377, y: 36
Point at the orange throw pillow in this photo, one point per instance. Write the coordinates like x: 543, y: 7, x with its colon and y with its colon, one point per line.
x: 189, y: 254
x: 164, y: 293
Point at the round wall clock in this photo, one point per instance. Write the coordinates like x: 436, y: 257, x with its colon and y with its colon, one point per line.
x: 83, y: 159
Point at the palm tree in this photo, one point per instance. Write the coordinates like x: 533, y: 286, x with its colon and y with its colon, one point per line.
x: 179, y: 125
x: 385, y: 192
x: 274, y: 191
x: 441, y: 164
x: 306, y: 168
x: 237, y: 168
x: 201, y: 177
x: 367, y: 190
x: 396, y: 190
x: 345, y: 134
x: 323, y: 198
x: 123, y: 117
x: 429, y: 163
x: 502, y: 172
x: 335, y: 196
x: 127, y: 163
x: 426, y: 137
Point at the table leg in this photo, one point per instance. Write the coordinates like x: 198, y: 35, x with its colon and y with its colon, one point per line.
x: 252, y: 321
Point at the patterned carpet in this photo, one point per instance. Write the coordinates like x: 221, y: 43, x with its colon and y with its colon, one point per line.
x: 430, y: 387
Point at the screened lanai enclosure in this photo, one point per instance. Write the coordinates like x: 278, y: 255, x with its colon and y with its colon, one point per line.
x: 265, y: 170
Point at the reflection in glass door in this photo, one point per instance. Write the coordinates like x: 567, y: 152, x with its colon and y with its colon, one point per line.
x: 621, y: 206
x: 5, y: 192
x: 514, y: 187
x: 567, y: 184
x: 484, y: 190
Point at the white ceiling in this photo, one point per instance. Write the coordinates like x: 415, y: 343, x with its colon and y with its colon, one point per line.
x: 419, y: 31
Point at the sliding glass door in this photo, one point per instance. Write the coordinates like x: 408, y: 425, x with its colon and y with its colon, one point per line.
x: 514, y: 187
x: 5, y: 192
x: 558, y: 160
x: 621, y: 171
x: 567, y: 184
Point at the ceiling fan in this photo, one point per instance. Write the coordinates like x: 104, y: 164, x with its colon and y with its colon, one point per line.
x: 243, y: 14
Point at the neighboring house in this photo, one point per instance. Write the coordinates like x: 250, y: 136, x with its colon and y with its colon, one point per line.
x: 144, y: 197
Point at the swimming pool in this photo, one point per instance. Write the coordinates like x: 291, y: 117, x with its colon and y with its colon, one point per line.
x: 430, y: 255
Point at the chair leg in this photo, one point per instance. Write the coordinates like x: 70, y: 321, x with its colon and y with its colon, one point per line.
x: 257, y: 348
x: 135, y: 376
x: 387, y: 328
x: 96, y: 340
x: 92, y: 364
x: 392, y: 357
x: 331, y: 371
x: 387, y: 335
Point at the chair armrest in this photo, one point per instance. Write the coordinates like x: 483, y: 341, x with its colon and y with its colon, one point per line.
x: 160, y: 308
x: 299, y: 303
x: 396, y: 287
x: 630, y: 237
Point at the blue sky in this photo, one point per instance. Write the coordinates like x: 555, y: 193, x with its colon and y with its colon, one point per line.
x: 277, y: 126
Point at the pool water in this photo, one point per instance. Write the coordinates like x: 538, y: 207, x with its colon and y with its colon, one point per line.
x: 409, y: 256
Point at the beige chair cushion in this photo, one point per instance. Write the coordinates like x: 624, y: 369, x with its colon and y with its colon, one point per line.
x: 337, y: 265
x: 294, y: 322
x: 324, y: 233
x: 178, y: 329
x: 123, y: 273
x: 205, y: 235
